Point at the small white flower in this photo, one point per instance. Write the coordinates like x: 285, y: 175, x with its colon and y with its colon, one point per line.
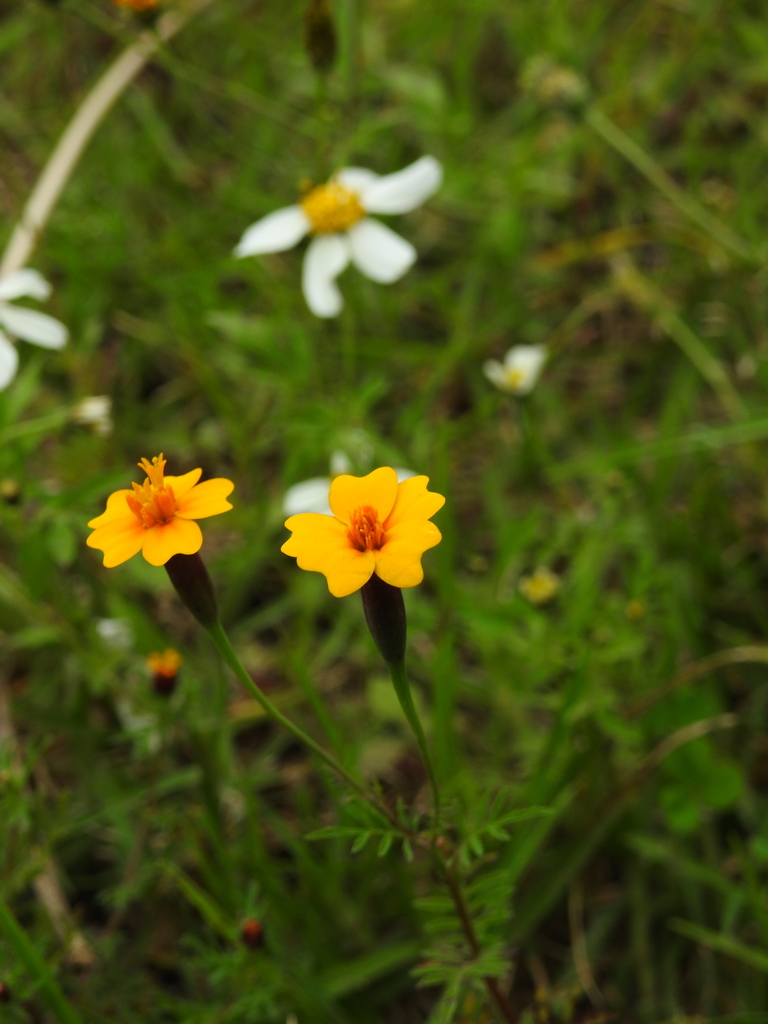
x: 94, y: 411
x: 336, y: 215
x: 519, y: 371
x: 312, y: 495
x: 116, y: 633
x: 24, y: 323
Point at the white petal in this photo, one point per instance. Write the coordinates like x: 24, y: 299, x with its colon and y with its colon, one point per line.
x: 525, y: 362
x: 495, y: 373
x: 276, y: 232
x: 356, y: 178
x: 378, y: 252
x: 326, y: 257
x: 9, y: 361
x: 404, y: 474
x: 308, y: 496
x: 405, y: 190
x: 24, y: 282
x: 39, y: 328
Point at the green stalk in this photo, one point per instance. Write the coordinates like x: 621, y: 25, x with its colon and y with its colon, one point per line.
x: 54, y: 998
x: 399, y: 677
x: 221, y: 640
x: 647, y: 166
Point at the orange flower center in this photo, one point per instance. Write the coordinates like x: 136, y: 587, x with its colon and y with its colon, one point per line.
x: 332, y: 208
x: 365, y: 531
x: 153, y: 502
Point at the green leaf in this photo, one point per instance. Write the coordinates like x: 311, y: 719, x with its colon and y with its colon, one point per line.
x: 721, y: 943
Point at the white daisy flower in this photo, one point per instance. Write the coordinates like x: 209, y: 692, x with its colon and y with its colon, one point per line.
x: 336, y: 215
x: 312, y: 495
x: 28, y: 324
x: 519, y: 371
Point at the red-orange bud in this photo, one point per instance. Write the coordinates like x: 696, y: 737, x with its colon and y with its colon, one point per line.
x: 252, y: 933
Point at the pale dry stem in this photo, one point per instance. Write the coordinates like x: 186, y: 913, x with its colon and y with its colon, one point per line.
x: 46, y: 884
x: 80, y: 129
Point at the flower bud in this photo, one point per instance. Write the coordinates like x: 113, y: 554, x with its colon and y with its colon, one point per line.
x: 10, y: 491
x: 193, y: 585
x: 164, y: 667
x: 320, y: 36
x: 252, y: 933
x: 385, y: 614
x: 553, y: 84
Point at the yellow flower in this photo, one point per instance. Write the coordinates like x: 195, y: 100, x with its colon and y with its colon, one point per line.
x: 378, y: 525
x: 541, y: 586
x: 157, y: 518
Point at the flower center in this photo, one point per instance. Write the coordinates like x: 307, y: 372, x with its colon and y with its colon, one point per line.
x: 332, y: 208
x: 365, y: 531
x: 152, y: 502
x: 515, y: 378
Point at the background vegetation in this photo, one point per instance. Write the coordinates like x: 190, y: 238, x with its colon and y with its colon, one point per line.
x: 170, y: 820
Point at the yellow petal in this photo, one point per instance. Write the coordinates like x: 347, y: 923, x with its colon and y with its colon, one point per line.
x: 179, y: 537
x: 206, y: 499
x: 116, y: 508
x: 378, y: 490
x: 414, y: 501
x: 119, y: 539
x: 320, y: 544
x: 399, y: 560
x: 182, y: 484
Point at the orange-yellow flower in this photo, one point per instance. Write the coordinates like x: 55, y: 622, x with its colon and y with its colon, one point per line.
x: 165, y: 663
x: 158, y: 516
x: 378, y: 525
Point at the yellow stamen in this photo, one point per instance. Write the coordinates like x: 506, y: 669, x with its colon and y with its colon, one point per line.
x: 514, y: 378
x: 153, y: 502
x: 332, y: 208
x: 365, y: 531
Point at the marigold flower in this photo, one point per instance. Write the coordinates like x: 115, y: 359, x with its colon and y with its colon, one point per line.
x: 158, y: 516
x: 519, y: 371
x: 378, y: 526
x: 336, y: 214
x: 28, y: 324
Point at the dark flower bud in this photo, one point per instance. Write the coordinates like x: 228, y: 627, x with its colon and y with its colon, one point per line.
x: 385, y: 614
x: 320, y: 36
x: 193, y: 585
x: 5, y: 993
x: 252, y: 933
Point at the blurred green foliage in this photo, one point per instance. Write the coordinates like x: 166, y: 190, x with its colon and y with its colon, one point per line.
x: 642, y: 893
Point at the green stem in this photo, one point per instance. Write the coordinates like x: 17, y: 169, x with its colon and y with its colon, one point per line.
x: 399, y: 678
x: 54, y: 998
x: 668, y: 187
x: 225, y: 648
x: 498, y: 1000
